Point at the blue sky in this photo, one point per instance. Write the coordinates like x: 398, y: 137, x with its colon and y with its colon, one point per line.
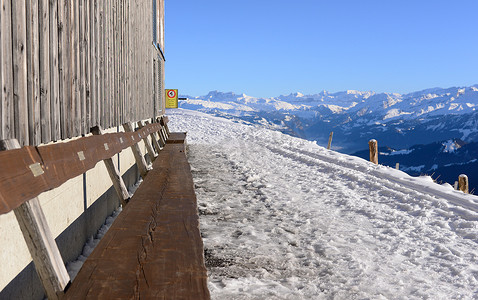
x: 266, y: 48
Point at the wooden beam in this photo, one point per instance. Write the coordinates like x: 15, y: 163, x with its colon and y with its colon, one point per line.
x: 43, y: 249
x: 115, y: 175
x: 138, y: 156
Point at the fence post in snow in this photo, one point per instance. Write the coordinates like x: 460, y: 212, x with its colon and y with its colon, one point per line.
x: 330, y: 140
x: 373, y: 146
x: 463, y: 183
x: 397, y: 166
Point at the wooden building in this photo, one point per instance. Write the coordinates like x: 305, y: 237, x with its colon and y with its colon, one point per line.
x: 65, y: 67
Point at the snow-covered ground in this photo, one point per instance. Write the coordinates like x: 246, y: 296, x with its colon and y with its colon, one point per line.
x: 283, y: 218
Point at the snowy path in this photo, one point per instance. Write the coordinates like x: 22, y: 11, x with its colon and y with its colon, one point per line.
x: 283, y: 218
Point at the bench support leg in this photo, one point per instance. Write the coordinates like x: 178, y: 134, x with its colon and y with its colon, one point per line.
x: 138, y: 156
x: 43, y: 249
x: 155, y: 141
x: 164, y: 122
x: 162, y: 139
x: 115, y: 175
x: 164, y: 129
x: 149, y: 148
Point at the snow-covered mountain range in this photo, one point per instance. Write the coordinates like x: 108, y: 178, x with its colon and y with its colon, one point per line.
x: 396, y: 120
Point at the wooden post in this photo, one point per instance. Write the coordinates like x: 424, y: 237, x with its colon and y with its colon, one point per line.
x: 330, y: 140
x: 463, y: 183
x: 43, y: 249
x: 455, y: 186
x: 154, y: 139
x: 115, y: 175
x: 397, y: 166
x: 149, y: 148
x: 373, y: 146
x: 138, y: 156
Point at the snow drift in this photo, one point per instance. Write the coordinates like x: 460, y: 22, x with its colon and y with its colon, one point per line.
x: 283, y: 218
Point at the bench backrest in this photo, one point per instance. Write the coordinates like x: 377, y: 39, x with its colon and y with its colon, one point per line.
x: 30, y: 171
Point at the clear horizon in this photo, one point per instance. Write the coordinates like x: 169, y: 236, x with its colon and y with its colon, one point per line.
x: 270, y: 48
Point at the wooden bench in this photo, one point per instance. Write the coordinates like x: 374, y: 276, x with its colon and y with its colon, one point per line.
x: 152, y: 250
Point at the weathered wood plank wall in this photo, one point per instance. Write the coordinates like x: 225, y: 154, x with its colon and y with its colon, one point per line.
x: 66, y: 66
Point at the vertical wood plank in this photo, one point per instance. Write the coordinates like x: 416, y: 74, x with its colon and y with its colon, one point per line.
x: 93, y: 57
x: 86, y: 69
x: 82, y: 65
x: 129, y: 67
x: 115, y: 36
x: 7, y: 104
x: 120, y: 62
x: 101, y: 42
x: 107, y: 64
x: 54, y: 71
x: 45, y: 101
x: 20, y: 71
x: 111, y: 82
x: 75, y: 69
x: 64, y: 62
x: 33, y: 72
x: 123, y: 60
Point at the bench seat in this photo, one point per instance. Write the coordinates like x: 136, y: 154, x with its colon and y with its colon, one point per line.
x: 176, y: 138
x: 154, y: 249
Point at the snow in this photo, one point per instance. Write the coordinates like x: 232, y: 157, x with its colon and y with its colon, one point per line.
x: 74, y: 267
x: 401, y: 152
x: 283, y: 218
x: 450, y: 146
x: 414, y: 168
x: 395, y: 113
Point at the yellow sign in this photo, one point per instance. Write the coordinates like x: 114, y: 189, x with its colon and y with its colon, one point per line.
x: 172, y: 98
